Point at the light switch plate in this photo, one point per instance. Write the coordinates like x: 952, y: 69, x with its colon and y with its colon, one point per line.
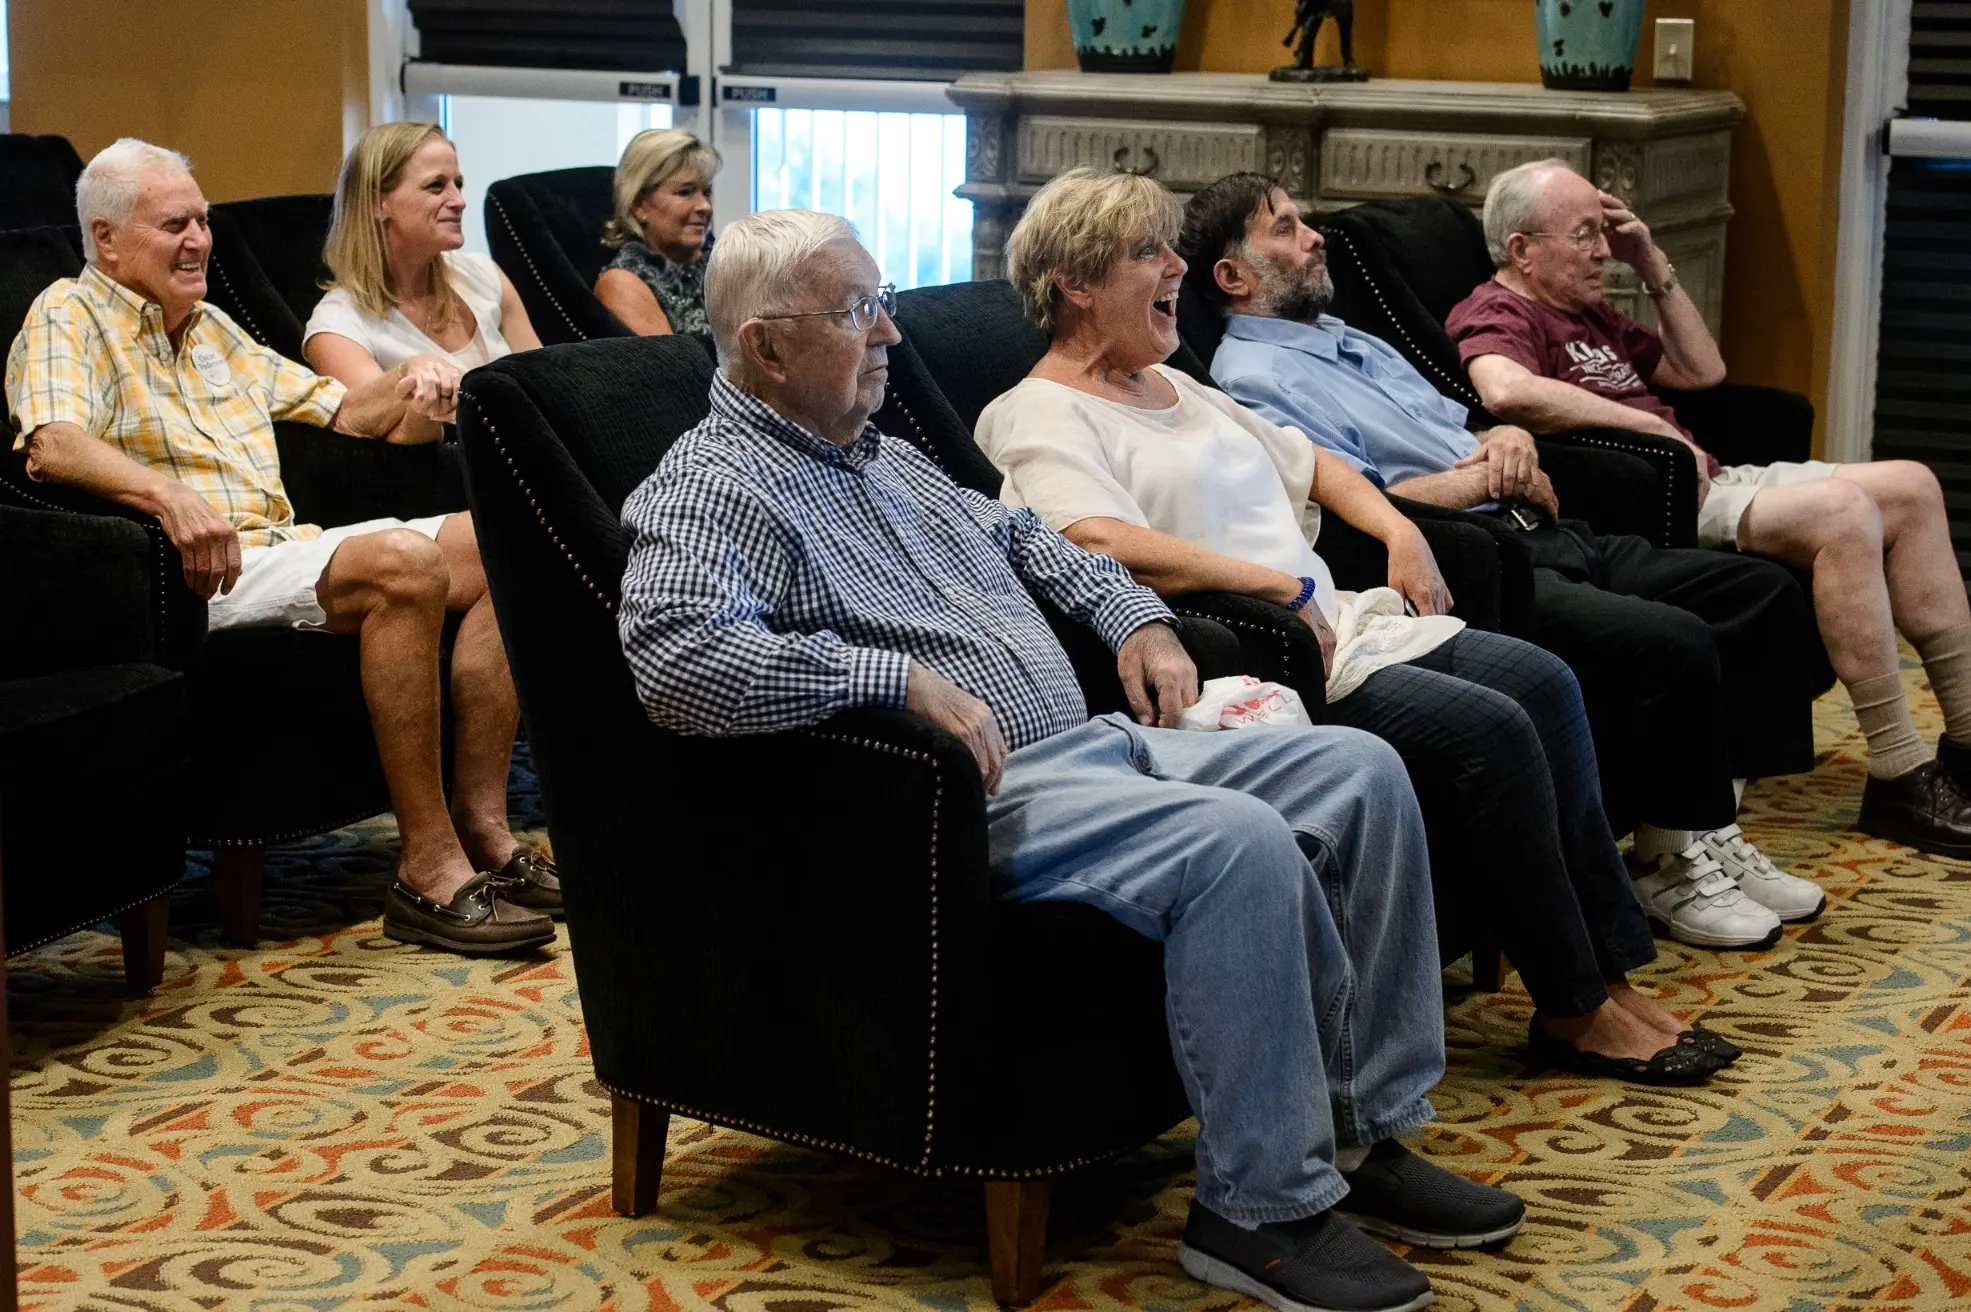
x: 1674, y: 38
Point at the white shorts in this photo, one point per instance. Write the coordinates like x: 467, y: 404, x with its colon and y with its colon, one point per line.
x: 276, y: 587
x: 1735, y: 486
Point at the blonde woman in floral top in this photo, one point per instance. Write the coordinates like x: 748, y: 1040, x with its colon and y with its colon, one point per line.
x: 662, y: 232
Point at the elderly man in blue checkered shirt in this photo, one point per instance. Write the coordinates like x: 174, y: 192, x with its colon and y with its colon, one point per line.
x: 790, y: 562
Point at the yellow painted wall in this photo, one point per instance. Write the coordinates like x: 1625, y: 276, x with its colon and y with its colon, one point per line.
x: 1787, y: 59
x: 257, y: 92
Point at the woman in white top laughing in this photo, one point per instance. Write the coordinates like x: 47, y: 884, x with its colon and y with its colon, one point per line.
x: 401, y: 288
x: 1195, y: 493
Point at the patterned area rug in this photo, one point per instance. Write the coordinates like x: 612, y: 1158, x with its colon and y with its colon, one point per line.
x: 340, y: 1121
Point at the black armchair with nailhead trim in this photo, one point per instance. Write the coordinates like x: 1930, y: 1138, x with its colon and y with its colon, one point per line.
x: 85, y: 702
x: 266, y: 268
x: 1401, y: 267
x: 295, y: 699
x: 792, y: 933
x: 545, y: 230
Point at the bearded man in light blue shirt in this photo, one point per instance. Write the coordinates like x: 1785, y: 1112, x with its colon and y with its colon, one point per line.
x: 1672, y: 648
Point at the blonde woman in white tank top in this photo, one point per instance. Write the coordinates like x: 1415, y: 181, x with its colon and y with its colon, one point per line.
x: 403, y: 290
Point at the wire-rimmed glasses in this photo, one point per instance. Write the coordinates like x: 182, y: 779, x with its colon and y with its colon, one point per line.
x: 861, y: 311
x: 1582, y: 239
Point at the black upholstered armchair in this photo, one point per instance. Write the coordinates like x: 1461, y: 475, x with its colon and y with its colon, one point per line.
x: 969, y: 342
x: 1399, y: 269
x: 280, y: 693
x: 966, y: 343
x: 266, y: 696
x: 828, y: 886
x: 91, y: 739
x: 37, y: 180
x: 545, y: 230
x: 266, y: 268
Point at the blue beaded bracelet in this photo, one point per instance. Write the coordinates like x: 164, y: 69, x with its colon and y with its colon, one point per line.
x: 1307, y: 588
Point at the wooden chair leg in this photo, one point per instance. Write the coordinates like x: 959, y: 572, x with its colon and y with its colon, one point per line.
x: 238, y: 874
x: 1016, y: 1237
x: 1488, y: 968
x: 636, y: 1164
x: 144, y: 927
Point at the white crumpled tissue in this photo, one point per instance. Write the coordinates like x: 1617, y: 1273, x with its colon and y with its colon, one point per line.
x: 1243, y: 702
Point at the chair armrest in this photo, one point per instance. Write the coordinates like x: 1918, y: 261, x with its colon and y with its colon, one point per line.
x: 828, y: 883
x: 177, y: 614
x: 1467, y: 553
x: 75, y: 591
x: 335, y: 479
x: 1625, y: 482
x: 1274, y: 643
x: 1744, y: 424
x: 1211, y: 647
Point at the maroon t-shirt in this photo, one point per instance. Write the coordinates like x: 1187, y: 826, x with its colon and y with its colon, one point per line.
x: 1599, y: 349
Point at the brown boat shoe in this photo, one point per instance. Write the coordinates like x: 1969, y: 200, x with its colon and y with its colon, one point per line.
x: 529, y: 879
x: 479, y: 920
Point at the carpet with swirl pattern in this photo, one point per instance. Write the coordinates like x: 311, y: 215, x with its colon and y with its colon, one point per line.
x: 336, y: 1120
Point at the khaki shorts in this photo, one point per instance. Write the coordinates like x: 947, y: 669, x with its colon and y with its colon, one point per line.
x: 276, y: 587
x: 1735, y: 486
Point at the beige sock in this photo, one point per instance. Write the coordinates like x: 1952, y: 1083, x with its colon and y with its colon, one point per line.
x: 1652, y: 842
x: 1894, y: 747
x: 1947, y: 662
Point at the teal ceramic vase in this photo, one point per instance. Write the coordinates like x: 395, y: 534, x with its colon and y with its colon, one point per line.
x: 1589, y: 45
x: 1125, y: 36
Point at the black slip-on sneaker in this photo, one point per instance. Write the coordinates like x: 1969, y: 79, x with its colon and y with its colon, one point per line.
x: 1399, y: 1194
x: 1320, y: 1264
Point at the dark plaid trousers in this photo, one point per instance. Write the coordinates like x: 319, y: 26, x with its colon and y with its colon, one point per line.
x: 1496, y: 739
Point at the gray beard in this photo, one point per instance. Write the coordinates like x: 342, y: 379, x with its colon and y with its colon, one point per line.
x: 1299, y: 294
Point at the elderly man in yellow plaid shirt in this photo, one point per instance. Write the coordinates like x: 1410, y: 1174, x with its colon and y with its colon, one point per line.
x: 124, y: 383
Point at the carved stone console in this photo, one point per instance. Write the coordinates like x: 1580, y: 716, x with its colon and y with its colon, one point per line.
x: 1666, y: 152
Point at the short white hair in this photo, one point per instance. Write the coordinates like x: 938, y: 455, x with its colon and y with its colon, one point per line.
x: 109, y: 184
x: 1513, y: 202
x: 755, y: 269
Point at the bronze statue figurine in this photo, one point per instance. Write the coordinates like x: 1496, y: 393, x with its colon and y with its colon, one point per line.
x: 1308, y: 15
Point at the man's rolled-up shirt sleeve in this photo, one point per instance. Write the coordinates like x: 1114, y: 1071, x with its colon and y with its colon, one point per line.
x: 1095, y: 590
x: 706, y: 563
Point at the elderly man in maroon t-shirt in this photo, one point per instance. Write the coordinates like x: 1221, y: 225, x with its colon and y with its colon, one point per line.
x: 1548, y: 353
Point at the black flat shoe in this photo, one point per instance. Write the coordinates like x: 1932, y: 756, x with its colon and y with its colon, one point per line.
x: 1707, y: 1041
x: 1395, y: 1192
x: 1679, y: 1064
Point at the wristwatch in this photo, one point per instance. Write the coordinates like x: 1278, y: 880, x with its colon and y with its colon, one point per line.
x: 1668, y: 285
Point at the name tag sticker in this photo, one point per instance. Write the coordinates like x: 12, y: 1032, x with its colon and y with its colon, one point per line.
x: 211, y: 365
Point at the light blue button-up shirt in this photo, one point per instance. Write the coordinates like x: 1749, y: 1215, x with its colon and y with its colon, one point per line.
x: 1348, y: 391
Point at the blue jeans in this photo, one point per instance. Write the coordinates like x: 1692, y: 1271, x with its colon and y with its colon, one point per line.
x: 1285, y: 872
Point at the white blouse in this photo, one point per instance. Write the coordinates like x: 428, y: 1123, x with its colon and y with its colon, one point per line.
x: 395, y: 339
x: 1206, y: 470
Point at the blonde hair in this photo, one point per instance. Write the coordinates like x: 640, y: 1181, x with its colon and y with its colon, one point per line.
x: 650, y: 160
x: 1078, y: 226
x: 356, y: 254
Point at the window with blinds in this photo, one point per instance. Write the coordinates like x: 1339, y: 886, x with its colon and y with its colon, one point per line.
x: 934, y: 40
x: 1923, y: 378
x: 617, y: 35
